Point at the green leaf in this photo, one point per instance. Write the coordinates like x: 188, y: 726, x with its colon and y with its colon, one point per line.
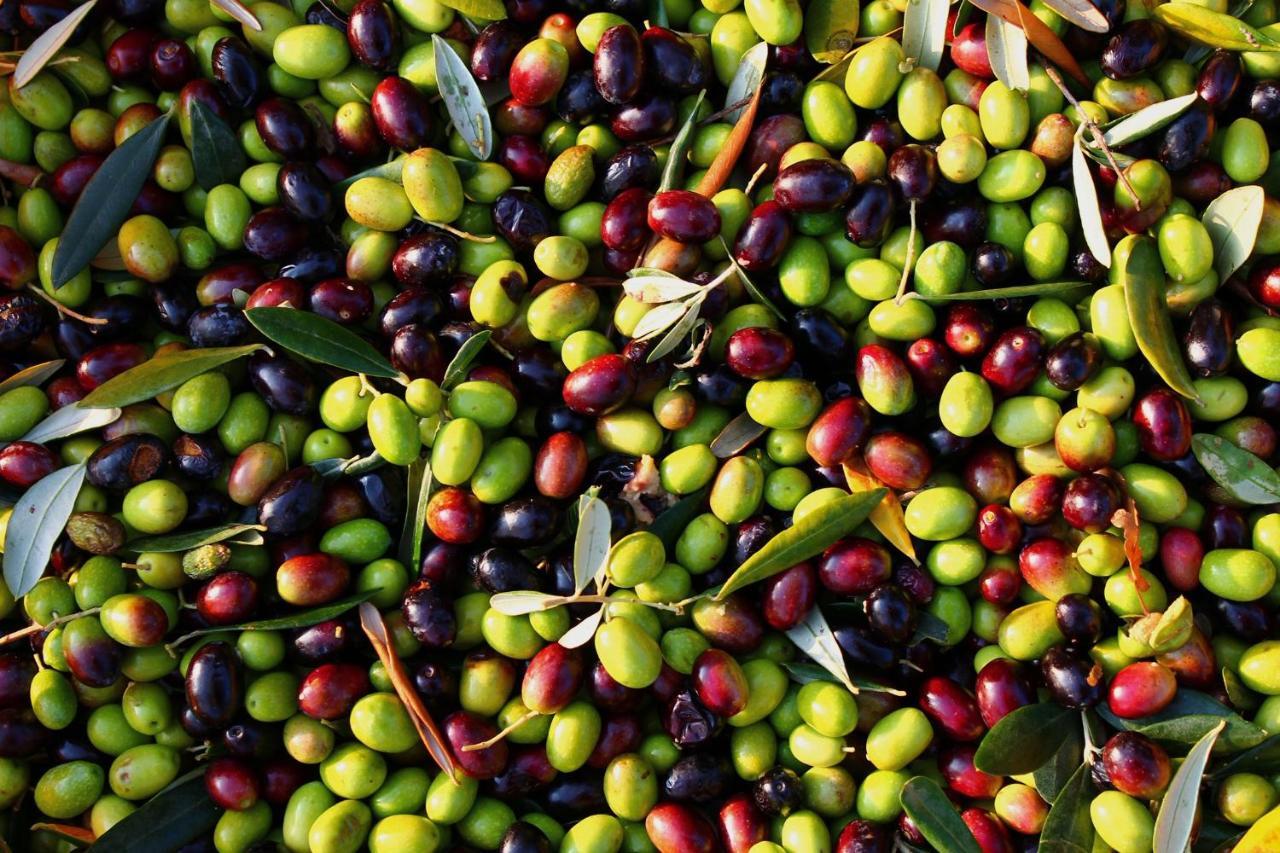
x: 462, y: 359
x: 178, y: 814
x: 1240, y: 473
x: 658, y: 13
x: 1146, y: 121
x: 161, y: 373
x: 1052, y: 776
x: 803, y: 672
x: 1047, y: 288
x: 1024, y: 739
x: 415, y: 515
x: 216, y: 153
x: 105, y: 201
x: 70, y: 420
x: 679, y: 153
x: 1069, y: 828
x: 1142, y: 275
x: 352, y: 466
x: 932, y: 628
x: 1082, y: 13
x: 47, y: 45
x: 1177, y: 814
x: 35, y: 524
x: 807, y: 537
x: 1232, y: 220
x: 830, y: 28
x: 671, y: 523
x: 304, y: 619
x: 924, y: 32
x: 463, y: 99
x: 171, y: 543
x: 1189, y: 717
x: 1095, y: 234
x: 814, y: 639
x: 390, y: 170
x: 36, y: 374
x: 737, y: 436
x: 319, y: 339
x: 1263, y: 759
x: 478, y: 10
x: 1213, y: 29
x: 757, y: 295
x: 936, y: 818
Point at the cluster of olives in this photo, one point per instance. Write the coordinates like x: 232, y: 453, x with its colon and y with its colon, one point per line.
x: 571, y: 397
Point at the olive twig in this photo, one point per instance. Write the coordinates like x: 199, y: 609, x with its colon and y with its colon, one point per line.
x: 460, y: 234
x: 366, y: 386
x: 1096, y: 132
x: 62, y: 309
x: 48, y: 626
x: 517, y: 723
x: 910, y: 259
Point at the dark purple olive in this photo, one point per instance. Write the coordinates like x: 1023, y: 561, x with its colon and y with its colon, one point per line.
x: 218, y: 326
x: 1186, y: 139
x: 635, y: 166
x: 22, y: 319
x: 412, y: 305
x: 272, y: 234
x: 763, y: 238
x: 649, y: 116
x: 1134, y: 49
x: 124, y: 462
x: 870, y: 215
x: 993, y: 264
x: 1072, y: 680
x: 285, y: 128
x: 494, y: 48
x: 1219, y: 79
x: 618, y: 64
x: 303, y: 190
x: 283, y: 383
x: 813, y: 186
x: 578, y: 101
x: 526, y: 522
x: 401, y: 113
x: 213, y: 684
x: 429, y: 615
x: 688, y: 722
x: 237, y: 72
x: 1264, y: 102
x: 174, y: 303
x: 521, y: 219
x: 1209, y: 340
x: 504, y: 570
x: 373, y: 34
x: 416, y: 352
x: 778, y: 792
x: 1073, y: 361
x: 292, y: 504
x: 699, y: 778
x: 962, y: 221
x: 914, y: 171
x: 671, y: 63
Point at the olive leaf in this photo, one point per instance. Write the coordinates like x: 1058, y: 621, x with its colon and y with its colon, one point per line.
x: 240, y: 12
x: 216, y: 153
x: 830, y: 28
x: 460, y: 92
x: 1082, y: 13
x: 521, y: 602
x: 1188, y: 718
x: 931, y: 628
x: 937, y: 819
x: 678, y: 154
x: 1238, y: 694
x: 1144, y: 122
x: 1198, y: 52
x: 591, y: 542
x: 479, y: 10
x: 1038, y: 33
x: 746, y: 79
x: 581, y: 634
x: 1177, y: 814
x: 320, y: 339
x: 1068, y: 827
x: 804, y: 673
x: 391, y: 170
x: 809, y: 536
x: 1263, y: 759
x: 415, y: 516
x: 35, y: 524
x: 757, y: 295
x: 1024, y: 739
x: 672, y: 521
x: 680, y: 329
x: 463, y: 358
x: 171, y: 543
x: 351, y: 466
x: 1007, y: 53
x: 106, y: 199
x: 47, y: 45
x: 658, y: 320
x: 1213, y: 29
x: 161, y: 373
x: 77, y: 837
x: 303, y: 619
x: 70, y: 420
x: 657, y: 289
x: 1232, y: 220
x: 36, y: 374
x: 1240, y: 473
x: 1044, y: 288
x: 1052, y: 776
x: 1095, y: 233
x: 1142, y: 275
x: 924, y: 32
x: 814, y: 639
x: 737, y: 436
x: 658, y: 13
x: 180, y: 813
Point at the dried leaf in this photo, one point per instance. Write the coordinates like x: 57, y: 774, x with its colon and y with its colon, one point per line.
x: 713, y: 180
x: 1232, y: 220
x: 21, y: 173
x: 1007, y: 53
x: 70, y: 420
x: 36, y: 374
x: 814, y: 638
x: 1177, y: 815
x: 462, y: 98
x: 924, y: 32
x: 657, y: 289
x: 644, y: 492
x: 887, y: 516
x: 376, y: 630
x: 76, y: 836
x: 521, y: 602
x: 240, y: 12
x: 830, y: 28
x: 591, y: 542
x: 35, y: 524
x: 1240, y: 473
x: 47, y: 45
x: 463, y: 358
x: 1038, y: 33
x: 581, y: 634
x: 1213, y: 29
x: 1142, y: 275
x: 1095, y: 233
x: 1082, y: 13
x: 678, y: 154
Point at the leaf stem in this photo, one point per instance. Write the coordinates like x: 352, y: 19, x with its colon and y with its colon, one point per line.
x: 1098, y: 138
x: 48, y: 626
x: 911, y: 257
x: 460, y: 234
x: 485, y: 744
x: 62, y: 309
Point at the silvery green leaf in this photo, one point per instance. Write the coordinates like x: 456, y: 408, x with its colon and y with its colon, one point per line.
x: 522, y: 602
x: 463, y: 358
x: 1177, y: 814
x: 37, y: 521
x: 415, y: 513
x: 1233, y: 219
x: 1095, y: 235
x: 746, y: 79
x: 655, y: 290
x: 70, y: 420
x: 637, y: 272
x: 581, y: 634
x: 36, y: 374
x: 757, y: 295
x: 1082, y: 13
x: 1007, y: 53
x: 659, y: 320
x: 590, y: 542
x: 680, y: 330
x: 813, y: 637
x: 1146, y: 121
x: 737, y: 436
x: 463, y: 99
x: 47, y: 45
x: 678, y: 154
x: 924, y: 32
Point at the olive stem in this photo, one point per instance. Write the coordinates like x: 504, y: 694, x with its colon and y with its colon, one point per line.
x: 1095, y: 132
x: 485, y: 744
x: 48, y: 626
x: 464, y: 235
x: 62, y: 309
x: 678, y: 607
x: 366, y: 386
x: 759, y: 173
x: 911, y: 257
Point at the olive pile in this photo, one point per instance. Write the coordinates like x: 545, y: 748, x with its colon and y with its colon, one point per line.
x: 750, y: 426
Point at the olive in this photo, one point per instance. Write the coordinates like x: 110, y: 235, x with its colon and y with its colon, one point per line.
x: 124, y: 462
x: 671, y: 62
x: 373, y: 34
x: 213, y: 686
x: 634, y: 167
x: 292, y: 504
x: 237, y: 72
x: 1135, y: 48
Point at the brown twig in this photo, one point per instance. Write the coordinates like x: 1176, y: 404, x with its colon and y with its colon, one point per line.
x: 48, y: 626
x: 1096, y: 132
x: 62, y: 309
